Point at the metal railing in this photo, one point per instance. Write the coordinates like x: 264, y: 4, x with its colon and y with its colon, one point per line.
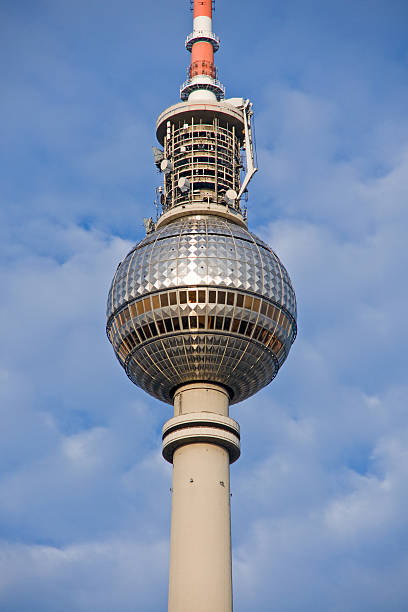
x: 202, y: 36
x: 215, y: 86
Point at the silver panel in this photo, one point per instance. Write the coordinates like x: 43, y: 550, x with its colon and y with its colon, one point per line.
x: 200, y: 251
x: 244, y: 368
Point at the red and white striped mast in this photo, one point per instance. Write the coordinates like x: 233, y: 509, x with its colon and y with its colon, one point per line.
x: 202, y: 43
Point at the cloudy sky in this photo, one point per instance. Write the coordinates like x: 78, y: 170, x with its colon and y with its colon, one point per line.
x: 320, y: 494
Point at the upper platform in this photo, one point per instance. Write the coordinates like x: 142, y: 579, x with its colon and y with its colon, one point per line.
x: 225, y: 111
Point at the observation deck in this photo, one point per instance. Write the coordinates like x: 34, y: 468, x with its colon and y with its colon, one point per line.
x: 202, y: 144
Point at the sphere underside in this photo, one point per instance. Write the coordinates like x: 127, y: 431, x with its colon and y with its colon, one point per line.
x: 160, y: 367
x: 201, y: 299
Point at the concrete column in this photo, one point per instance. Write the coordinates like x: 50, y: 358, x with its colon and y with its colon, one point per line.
x: 200, y: 543
x: 201, y: 397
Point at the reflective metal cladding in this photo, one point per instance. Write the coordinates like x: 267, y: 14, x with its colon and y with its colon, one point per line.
x: 201, y: 299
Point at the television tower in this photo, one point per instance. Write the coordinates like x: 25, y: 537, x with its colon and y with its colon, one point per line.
x: 202, y: 314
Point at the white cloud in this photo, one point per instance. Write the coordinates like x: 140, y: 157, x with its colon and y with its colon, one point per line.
x: 111, y: 573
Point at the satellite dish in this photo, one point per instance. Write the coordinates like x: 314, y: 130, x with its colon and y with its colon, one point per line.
x: 166, y: 166
x: 158, y: 156
x: 183, y: 184
x: 230, y: 197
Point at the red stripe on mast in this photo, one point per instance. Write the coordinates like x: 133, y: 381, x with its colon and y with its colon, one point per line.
x: 202, y: 59
x: 203, y: 8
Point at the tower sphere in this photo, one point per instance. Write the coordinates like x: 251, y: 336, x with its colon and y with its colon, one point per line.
x: 201, y: 299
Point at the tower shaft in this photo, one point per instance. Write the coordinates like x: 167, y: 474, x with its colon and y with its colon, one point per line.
x: 200, y: 440
x: 200, y: 543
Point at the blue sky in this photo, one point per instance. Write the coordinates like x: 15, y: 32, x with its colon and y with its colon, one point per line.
x: 320, y: 493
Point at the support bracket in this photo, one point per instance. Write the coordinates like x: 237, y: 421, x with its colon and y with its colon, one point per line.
x: 249, y: 146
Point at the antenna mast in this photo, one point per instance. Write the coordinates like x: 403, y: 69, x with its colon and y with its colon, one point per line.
x: 202, y: 43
